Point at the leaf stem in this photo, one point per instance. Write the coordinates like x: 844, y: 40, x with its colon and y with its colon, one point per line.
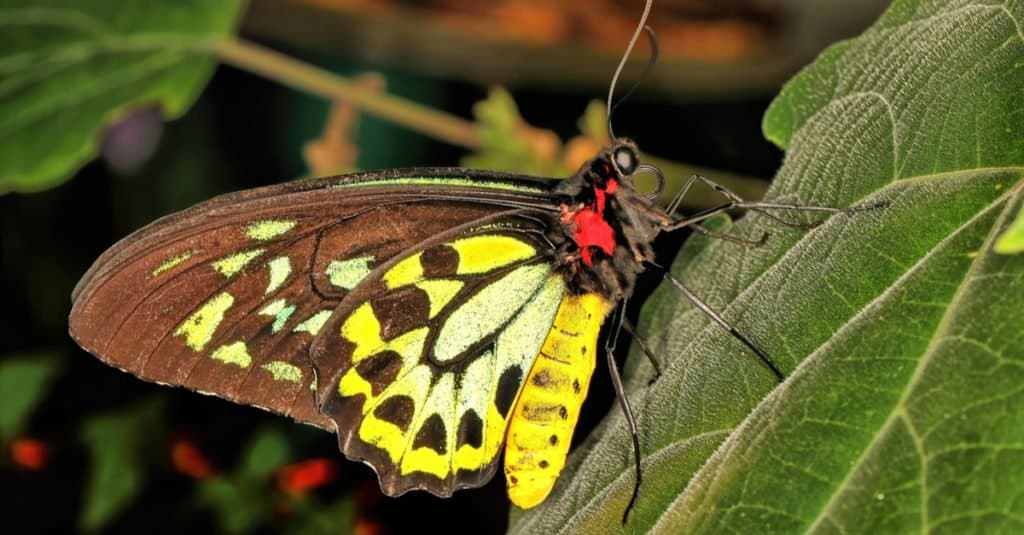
x: 309, y: 78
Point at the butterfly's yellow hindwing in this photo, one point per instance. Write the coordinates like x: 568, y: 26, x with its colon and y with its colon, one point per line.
x: 439, y: 356
x: 542, y: 422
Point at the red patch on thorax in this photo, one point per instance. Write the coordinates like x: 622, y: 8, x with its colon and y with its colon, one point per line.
x: 590, y: 227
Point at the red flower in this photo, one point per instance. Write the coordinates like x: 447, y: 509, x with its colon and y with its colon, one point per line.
x: 188, y: 459
x: 29, y: 453
x: 306, y: 475
x: 368, y: 527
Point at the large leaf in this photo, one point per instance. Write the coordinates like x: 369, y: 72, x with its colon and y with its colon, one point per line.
x: 899, y: 329
x: 68, y: 68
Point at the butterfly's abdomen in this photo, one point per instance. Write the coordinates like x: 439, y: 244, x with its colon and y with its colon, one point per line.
x: 545, y: 414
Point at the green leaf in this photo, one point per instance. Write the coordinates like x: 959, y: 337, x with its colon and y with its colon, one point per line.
x: 268, y: 451
x: 239, y: 508
x: 323, y: 519
x: 594, y: 122
x: 24, y: 380
x: 68, y: 69
x: 899, y: 330
x: 509, y: 144
x: 119, y: 444
x: 245, y: 499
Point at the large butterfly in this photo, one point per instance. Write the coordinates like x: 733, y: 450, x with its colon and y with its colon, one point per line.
x: 430, y: 317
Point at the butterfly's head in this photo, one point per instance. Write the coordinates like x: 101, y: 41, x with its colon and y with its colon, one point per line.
x: 623, y: 155
x: 624, y: 158
x: 611, y: 168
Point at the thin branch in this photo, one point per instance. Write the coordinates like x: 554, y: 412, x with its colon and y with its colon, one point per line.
x: 311, y: 79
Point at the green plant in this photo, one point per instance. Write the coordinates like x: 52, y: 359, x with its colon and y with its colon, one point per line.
x: 900, y: 329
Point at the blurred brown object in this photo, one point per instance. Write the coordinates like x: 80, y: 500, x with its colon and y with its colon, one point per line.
x: 707, y: 46
x: 335, y: 151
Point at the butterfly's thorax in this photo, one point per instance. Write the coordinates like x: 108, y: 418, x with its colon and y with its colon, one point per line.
x: 608, y: 229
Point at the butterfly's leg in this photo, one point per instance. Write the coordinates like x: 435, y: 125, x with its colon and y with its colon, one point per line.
x: 680, y: 195
x: 620, y: 393
x: 628, y: 327
x: 730, y: 238
x: 717, y: 318
x: 735, y: 201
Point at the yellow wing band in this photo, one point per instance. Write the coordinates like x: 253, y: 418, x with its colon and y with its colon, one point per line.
x: 542, y: 421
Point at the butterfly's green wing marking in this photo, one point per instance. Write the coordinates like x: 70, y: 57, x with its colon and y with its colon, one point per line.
x: 226, y: 297
x: 434, y: 349
x: 429, y: 304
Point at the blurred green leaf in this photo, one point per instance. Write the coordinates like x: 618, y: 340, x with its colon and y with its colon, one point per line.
x: 509, y: 144
x: 239, y: 508
x: 1012, y: 241
x: 24, y: 380
x: 899, y: 329
x: 268, y: 451
x: 594, y: 122
x: 70, y: 68
x: 119, y: 444
x: 245, y: 499
x: 318, y: 519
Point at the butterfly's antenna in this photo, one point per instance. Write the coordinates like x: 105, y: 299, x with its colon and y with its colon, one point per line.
x: 641, y: 27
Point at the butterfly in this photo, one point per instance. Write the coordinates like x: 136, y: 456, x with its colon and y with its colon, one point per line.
x: 428, y: 316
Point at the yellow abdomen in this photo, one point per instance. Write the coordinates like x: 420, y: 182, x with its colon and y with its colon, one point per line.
x: 543, y: 419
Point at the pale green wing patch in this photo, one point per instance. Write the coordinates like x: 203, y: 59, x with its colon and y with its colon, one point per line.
x: 268, y: 230
x: 347, y: 274
x: 438, y: 356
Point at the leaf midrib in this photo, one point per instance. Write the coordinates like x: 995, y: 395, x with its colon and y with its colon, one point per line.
x: 83, y: 51
x: 866, y: 308
x: 899, y: 408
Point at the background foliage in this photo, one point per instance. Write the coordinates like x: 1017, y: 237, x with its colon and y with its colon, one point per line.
x: 899, y: 328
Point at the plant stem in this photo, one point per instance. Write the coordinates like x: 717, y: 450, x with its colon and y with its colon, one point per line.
x: 308, y: 78
x: 436, y: 124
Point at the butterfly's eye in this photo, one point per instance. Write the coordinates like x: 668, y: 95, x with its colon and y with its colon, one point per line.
x: 625, y: 159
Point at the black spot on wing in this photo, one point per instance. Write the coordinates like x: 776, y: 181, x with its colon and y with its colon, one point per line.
x: 397, y: 410
x: 432, y: 435
x: 508, y: 387
x: 542, y: 379
x: 544, y: 412
x: 380, y: 370
x: 471, y: 430
x: 400, y: 311
x: 549, y: 380
x: 439, y: 261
